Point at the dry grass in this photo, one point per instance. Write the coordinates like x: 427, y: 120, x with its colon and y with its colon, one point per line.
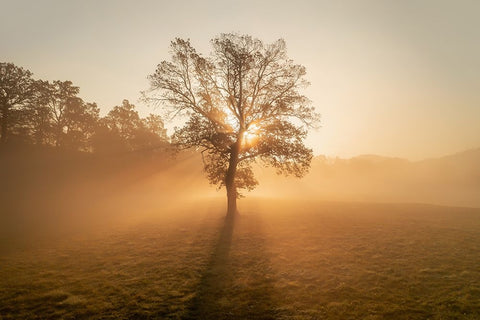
x: 145, y: 271
x: 278, y: 260
x: 355, y: 261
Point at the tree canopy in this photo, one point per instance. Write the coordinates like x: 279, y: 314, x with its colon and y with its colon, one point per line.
x: 16, y: 92
x: 122, y: 129
x: 242, y: 104
x: 52, y: 114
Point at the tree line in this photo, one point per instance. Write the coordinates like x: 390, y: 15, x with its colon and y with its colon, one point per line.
x: 39, y: 112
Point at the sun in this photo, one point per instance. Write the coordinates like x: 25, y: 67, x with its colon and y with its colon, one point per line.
x: 250, y: 136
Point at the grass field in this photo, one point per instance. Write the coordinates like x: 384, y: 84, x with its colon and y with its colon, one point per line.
x: 277, y: 260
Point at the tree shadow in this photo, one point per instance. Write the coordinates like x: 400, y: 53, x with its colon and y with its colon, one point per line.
x: 236, y: 284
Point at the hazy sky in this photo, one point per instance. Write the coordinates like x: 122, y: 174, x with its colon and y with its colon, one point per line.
x: 395, y: 78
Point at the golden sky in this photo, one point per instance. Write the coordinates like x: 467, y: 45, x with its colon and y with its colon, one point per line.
x: 394, y: 78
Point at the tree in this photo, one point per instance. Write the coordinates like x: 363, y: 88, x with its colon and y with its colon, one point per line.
x: 56, y: 116
x: 242, y: 104
x: 53, y: 100
x: 122, y: 129
x: 39, y: 115
x: 16, y: 92
x: 154, y: 124
x: 81, y: 121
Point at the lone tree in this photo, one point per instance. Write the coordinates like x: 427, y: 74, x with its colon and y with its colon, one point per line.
x: 242, y: 104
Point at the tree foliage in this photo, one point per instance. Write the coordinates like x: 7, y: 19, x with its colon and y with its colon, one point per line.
x: 242, y: 104
x: 16, y: 92
x: 122, y: 129
x: 51, y: 113
x: 61, y: 118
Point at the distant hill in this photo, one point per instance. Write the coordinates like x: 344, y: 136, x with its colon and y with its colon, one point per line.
x: 449, y: 180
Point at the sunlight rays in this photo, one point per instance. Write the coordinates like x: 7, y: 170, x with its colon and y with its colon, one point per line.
x: 251, y: 136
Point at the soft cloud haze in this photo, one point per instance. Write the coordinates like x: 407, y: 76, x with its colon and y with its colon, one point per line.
x: 396, y: 78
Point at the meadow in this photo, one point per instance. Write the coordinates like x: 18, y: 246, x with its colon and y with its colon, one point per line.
x: 346, y: 133
x: 142, y: 245
x: 275, y: 261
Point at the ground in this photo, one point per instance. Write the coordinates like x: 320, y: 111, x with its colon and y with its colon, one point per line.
x: 276, y: 260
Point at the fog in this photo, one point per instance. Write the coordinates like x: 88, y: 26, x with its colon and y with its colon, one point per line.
x: 452, y: 180
x: 47, y: 192
x: 143, y: 235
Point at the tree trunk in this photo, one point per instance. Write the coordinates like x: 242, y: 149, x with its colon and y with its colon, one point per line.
x: 230, y: 180
x: 231, y: 200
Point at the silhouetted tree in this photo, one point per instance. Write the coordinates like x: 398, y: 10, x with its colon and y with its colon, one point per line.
x: 242, y: 103
x: 59, y: 117
x: 154, y: 124
x: 60, y: 95
x: 16, y: 92
x: 125, y: 121
x: 81, y: 121
x: 122, y: 129
x: 39, y: 115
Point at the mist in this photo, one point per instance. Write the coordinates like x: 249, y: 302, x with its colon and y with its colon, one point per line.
x: 152, y: 232
x: 452, y: 180
x: 57, y: 193
x: 197, y: 187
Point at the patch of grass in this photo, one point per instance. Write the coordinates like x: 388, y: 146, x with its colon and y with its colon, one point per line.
x: 276, y: 261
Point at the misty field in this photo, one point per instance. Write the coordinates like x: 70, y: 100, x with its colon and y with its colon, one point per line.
x: 278, y: 260
x: 240, y: 160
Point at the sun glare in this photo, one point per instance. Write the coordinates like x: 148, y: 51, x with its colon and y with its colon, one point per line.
x: 250, y: 137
